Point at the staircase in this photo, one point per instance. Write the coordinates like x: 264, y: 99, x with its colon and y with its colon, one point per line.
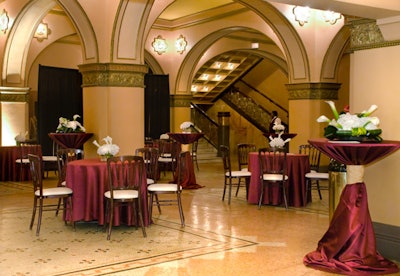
x: 206, y: 153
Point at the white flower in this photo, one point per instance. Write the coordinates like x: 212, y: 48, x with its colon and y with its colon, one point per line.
x: 108, y: 148
x: 323, y: 119
x: 66, y: 126
x: 278, y: 127
x: 186, y: 125
x: 277, y: 142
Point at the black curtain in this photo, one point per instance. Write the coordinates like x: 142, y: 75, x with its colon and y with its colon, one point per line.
x: 59, y: 95
x: 157, y: 108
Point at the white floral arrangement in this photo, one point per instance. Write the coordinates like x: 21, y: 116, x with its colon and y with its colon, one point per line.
x: 69, y: 126
x: 351, y: 125
x: 186, y: 125
x: 278, y: 128
x: 108, y: 149
x: 278, y: 142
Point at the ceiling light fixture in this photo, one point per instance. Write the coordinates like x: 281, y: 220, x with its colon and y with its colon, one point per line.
x: 42, y: 32
x: 4, y: 21
x: 159, y: 45
x: 180, y: 44
x: 331, y: 17
x: 301, y: 14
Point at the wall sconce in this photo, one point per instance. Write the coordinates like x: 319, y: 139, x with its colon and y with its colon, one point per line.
x: 4, y: 21
x: 42, y: 32
x: 331, y: 17
x: 301, y: 14
x: 159, y: 45
x: 180, y: 44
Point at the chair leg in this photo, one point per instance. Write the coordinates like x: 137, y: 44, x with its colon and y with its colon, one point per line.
x: 158, y: 204
x: 261, y: 195
x: 151, y: 206
x: 223, y: 194
x: 181, y: 210
x: 230, y: 191
x: 71, y: 212
x: 319, y: 190
x: 238, y: 187
x: 284, y: 195
x: 111, y: 216
x: 39, y: 217
x: 58, y: 206
x: 140, y: 220
x: 33, y: 213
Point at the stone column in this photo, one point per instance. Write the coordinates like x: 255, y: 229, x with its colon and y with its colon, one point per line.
x: 113, y: 104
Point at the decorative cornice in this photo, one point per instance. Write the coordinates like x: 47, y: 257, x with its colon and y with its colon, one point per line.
x: 113, y: 74
x: 366, y: 34
x: 313, y: 91
x: 14, y: 94
x: 180, y: 100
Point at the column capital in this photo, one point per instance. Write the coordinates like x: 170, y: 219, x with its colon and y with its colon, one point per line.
x: 180, y: 100
x: 313, y: 91
x: 14, y: 94
x: 113, y: 74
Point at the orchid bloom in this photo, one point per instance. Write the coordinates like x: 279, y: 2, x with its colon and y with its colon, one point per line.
x: 323, y: 119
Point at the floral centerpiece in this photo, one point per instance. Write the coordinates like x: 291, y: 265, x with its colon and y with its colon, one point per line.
x: 185, y: 126
x: 346, y: 126
x: 69, y: 126
x: 278, y: 142
x: 278, y: 128
x: 108, y: 149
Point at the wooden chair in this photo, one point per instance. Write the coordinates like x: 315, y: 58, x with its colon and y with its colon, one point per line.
x: 229, y: 174
x: 150, y: 156
x: 314, y: 177
x: 157, y: 189
x: 272, y: 172
x: 169, y: 150
x: 125, y: 176
x: 22, y: 162
x: 41, y: 194
x: 243, y: 150
x: 50, y: 161
x: 64, y: 156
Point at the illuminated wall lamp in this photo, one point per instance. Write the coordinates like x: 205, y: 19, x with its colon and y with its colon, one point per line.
x: 301, y: 14
x: 331, y: 17
x: 180, y: 44
x: 42, y: 32
x: 159, y: 45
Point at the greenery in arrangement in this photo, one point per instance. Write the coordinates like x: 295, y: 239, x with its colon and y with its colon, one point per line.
x: 69, y: 126
x: 346, y: 126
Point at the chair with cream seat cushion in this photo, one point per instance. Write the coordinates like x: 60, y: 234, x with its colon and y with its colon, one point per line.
x: 229, y: 174
x: 125, y: 176
x: 157, y: 189
x: 150, y: 156
x: 273, y: 172
x: 313, y: 177
x: 41, y: 194
x: 243, y: 150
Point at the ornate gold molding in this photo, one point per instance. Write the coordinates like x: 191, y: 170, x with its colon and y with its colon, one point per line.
x: 14, y: 94
x: 313, y: 91
x: 113, y: 74
x: 365, y: 34
x: 180, y: 100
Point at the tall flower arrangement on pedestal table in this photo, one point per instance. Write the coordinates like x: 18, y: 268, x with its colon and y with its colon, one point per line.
x: 69, y: 126
x: 346, y: 126
x: 185, y: 126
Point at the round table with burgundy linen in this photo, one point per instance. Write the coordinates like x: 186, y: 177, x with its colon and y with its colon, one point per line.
x: 349, y: 245
x: 73, y: 140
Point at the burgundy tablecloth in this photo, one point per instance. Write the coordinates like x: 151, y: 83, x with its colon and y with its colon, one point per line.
x: 189, y: 179
x: 9, y: 169
x: 297, y: 166
x: 88, y: 179
x: 349, y: 245
x: 70, y: 140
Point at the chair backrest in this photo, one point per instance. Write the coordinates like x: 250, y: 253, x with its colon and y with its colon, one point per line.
x: 226, y: 159
x: 63, y: 157
x: 183, y: 160
x: 272, y: 160
x: 314, y: 155
x: 35, y: 165
x: 28, y: 148
x: 125, y: 172
x: 243, y: 154
x: 150, y: 156
x: 169, y: 148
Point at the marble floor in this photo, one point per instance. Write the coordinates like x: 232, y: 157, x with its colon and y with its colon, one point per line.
x: 219, y: 239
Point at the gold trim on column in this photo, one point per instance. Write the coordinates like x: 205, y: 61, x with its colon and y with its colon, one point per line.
x: 180, y: 100
x: 14, y: 94
x: 313, y: 91
x: 113, y: 74
x: 365, y: 34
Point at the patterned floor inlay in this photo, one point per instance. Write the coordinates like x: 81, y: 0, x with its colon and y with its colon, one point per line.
x: 89, y: 253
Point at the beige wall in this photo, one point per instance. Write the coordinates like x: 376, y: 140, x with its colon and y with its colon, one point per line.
x: 375, y: 80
